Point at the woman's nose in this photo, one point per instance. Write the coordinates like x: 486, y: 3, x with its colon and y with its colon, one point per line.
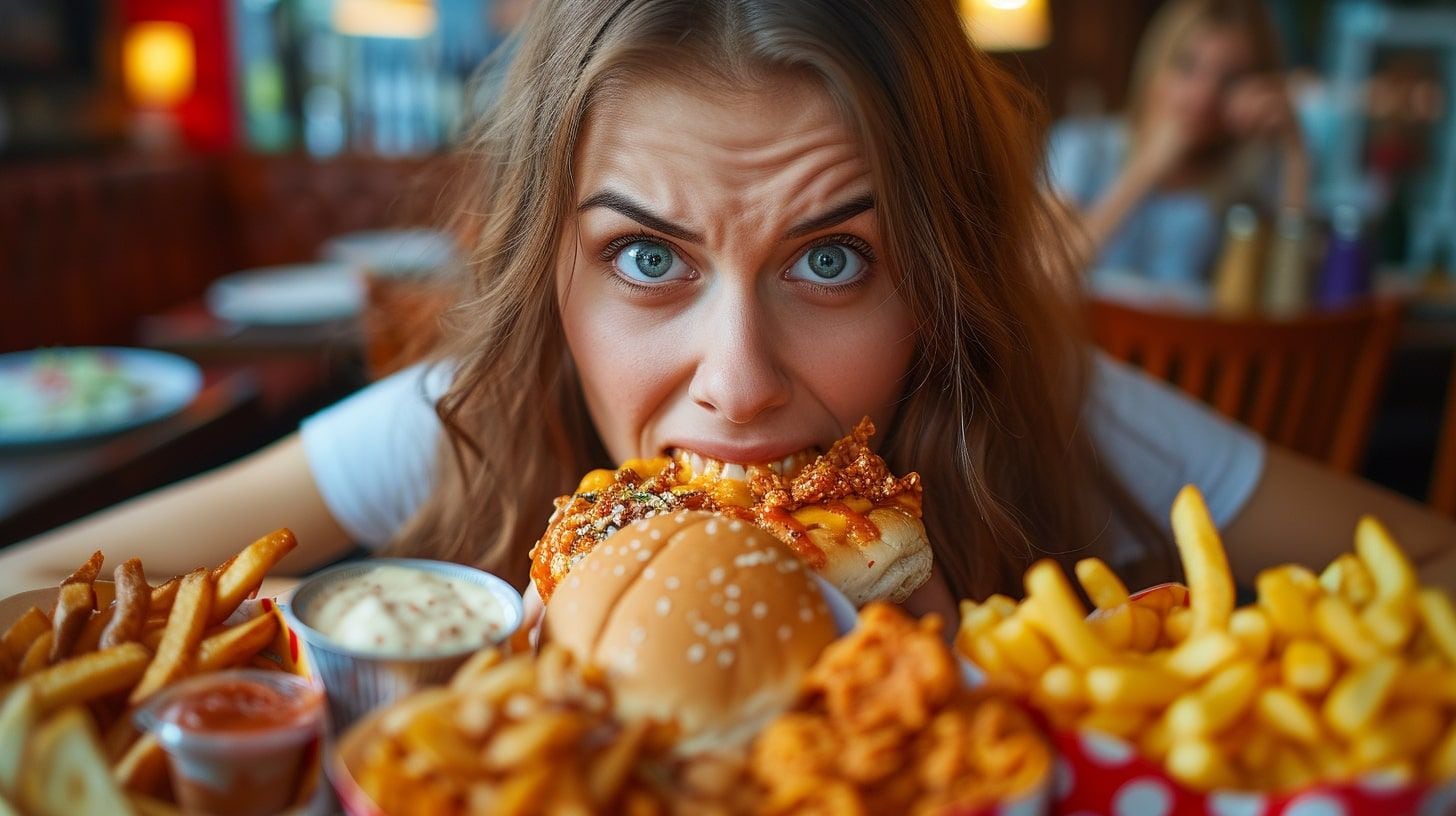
x: 738, y: 376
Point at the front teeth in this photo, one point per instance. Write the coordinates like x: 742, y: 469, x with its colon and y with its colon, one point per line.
x: 699, y: 465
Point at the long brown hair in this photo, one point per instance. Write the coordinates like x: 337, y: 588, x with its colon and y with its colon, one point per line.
x: 991, y: 406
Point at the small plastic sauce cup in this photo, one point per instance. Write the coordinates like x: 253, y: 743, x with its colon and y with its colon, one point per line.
x: 236, y: 740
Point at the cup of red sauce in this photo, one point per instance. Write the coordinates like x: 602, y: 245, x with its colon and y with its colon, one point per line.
x: 236, y: 740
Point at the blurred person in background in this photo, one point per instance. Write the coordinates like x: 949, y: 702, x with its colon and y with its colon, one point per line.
x: 1209, y: 123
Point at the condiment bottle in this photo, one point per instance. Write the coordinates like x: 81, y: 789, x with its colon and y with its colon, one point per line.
x: 1236, y: 278
x: 1287, y: 267
x: 1345, y: 276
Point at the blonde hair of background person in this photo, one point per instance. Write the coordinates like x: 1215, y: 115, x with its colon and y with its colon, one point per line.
x: 987, y: 405
x: 1207, y: 104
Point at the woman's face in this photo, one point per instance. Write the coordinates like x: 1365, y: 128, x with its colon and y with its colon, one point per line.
x: 1196, y: 84
x: 720, y: 280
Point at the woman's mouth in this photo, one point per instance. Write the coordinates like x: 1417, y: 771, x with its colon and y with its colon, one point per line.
x: 698, y: 464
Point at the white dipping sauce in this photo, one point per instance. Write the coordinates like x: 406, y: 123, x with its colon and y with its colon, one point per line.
x: 393, y: 610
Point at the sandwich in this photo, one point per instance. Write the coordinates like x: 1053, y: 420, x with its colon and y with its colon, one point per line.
x: 844, y: 514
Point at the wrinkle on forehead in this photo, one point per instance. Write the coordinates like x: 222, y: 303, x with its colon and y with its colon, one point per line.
x: 771, y: 154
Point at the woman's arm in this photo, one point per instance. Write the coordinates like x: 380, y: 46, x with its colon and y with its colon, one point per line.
x: 1305, y: 513
x: 198, y: 522
x: 1157, y: 151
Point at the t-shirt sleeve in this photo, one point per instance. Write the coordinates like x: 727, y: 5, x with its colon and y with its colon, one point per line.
x: 1155, y: 440
x: 373, y: 455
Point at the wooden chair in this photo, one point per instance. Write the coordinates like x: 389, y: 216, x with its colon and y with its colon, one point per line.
x: 1309, y: 383
x: 1442, y: 494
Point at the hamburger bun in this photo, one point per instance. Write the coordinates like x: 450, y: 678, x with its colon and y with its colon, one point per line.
x: 697, y: 619
x: 888, y: 568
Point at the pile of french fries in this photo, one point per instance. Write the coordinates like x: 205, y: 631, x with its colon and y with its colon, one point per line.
x: 508, y: 736
x: 1326, y: 678
x: 73, y: 676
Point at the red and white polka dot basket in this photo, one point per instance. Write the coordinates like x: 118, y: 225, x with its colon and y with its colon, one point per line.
x: 1099, y: 775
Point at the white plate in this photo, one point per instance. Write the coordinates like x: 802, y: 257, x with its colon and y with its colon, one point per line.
x: 392, y: 252
x: 129, y: 387
x: 297, y: 294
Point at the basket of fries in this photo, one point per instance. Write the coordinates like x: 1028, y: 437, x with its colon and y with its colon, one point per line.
x: 537, y: 733
x: 1333, y: 693
x: 80, y: 660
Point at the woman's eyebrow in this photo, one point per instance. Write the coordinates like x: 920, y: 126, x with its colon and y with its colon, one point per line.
x: 840, y: 214
x: 620, y: 203
x: 626, y: 206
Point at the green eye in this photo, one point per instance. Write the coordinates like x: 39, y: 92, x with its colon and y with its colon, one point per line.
x: 648, y: 261
x: 829, y: 264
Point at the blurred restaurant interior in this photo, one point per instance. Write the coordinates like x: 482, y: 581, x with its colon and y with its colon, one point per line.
x: 254, y: 186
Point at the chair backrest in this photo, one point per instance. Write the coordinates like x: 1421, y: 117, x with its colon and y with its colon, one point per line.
x: 1309, y: 383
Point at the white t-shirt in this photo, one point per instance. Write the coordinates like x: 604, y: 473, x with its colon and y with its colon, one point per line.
x: 373, y: 455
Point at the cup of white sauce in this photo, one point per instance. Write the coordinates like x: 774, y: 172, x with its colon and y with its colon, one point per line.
x: 379, y: 629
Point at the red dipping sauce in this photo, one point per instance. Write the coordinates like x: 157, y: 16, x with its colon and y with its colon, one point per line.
x: 236, y: 741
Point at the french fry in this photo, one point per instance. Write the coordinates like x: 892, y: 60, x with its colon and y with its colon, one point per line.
x: 133, y: 603
x: 236, y: 645
x: 73, y: 609
x: 1251, y: 627
x: 1338, y: 625
x: 1389, y: 569
x: 163, y: 596
x: 90, y: 638
x: 1404, y: 733
x: 1357, y: 698
x: 1286, y: 604
x: 1287, y: 713
x: 1114, y: 626
x: 176, y: 654
x: 69, y: 776
x: 1210, y: 584
x: 1308, y: 666
x: 1390, y: 621
x: 143, y: 769
x: 1217, y: 704
x: 1200, y: 764
x: 88, y: 572
x: 1132, y: 686
x: 1440, y: 620
x: 1022, y: 646
x: 1442, y: 764
x: 89, y: 676
x: 245, y: 573
x: 18, y: 715
x: 1147, y: 629
x: 1177, y: 625
x: 38, y: 656
x: 1060, y: 618
x: 25, y: 630
x: 1063, y: 686
x: 1101, y: 584
x: 1201, y: 655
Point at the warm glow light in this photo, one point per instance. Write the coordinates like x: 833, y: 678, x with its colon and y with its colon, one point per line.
x: 1007, y: 25
x: 405, y: 19
x: 159, y: 63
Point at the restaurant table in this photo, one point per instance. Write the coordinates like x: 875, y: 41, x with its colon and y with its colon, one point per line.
x: 44, y: 486
x: 258, y: 383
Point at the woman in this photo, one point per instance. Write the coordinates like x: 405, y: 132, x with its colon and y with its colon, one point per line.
x: 1209, y: 124
x: 737, y: 227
